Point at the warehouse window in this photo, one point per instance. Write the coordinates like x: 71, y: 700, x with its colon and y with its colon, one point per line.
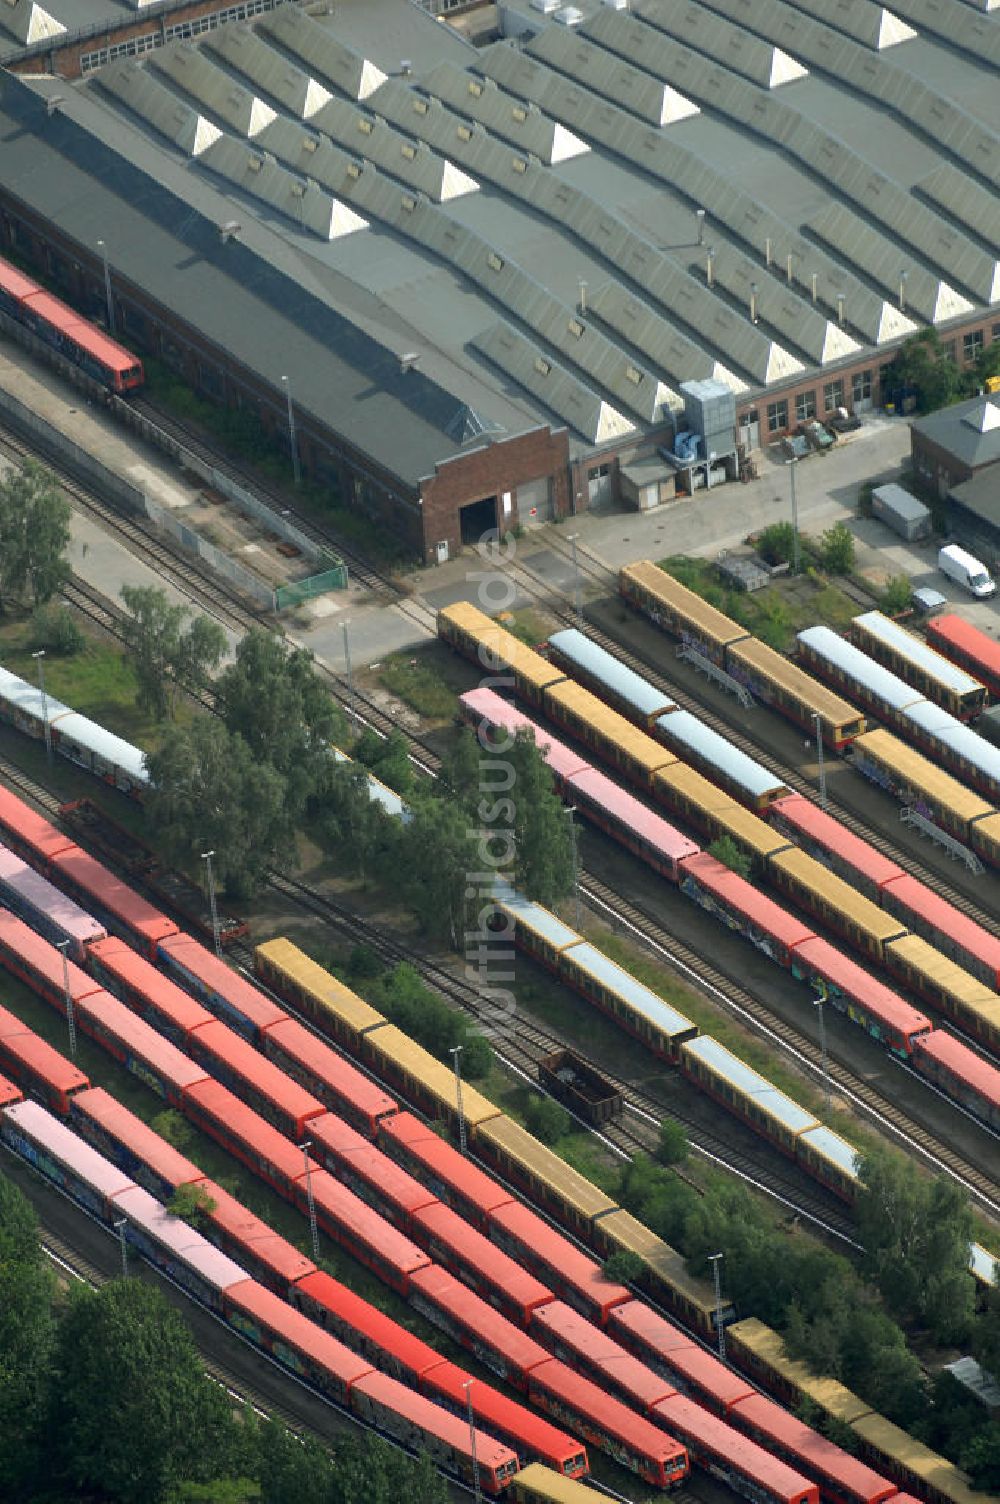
x: 805, y: 406
x: 951, y: 350
x: 777, y: 416
x: 861, y: 386
x: 972, y: 344
x: 996, y: 333
x: 833, y: 395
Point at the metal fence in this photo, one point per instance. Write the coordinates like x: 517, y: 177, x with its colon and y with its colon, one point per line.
x: 269, y: 518
x: 243, y: 579
x: 307, y: 590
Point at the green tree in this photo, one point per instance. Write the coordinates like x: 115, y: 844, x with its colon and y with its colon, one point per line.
x: 986, y: 1336
x: 922, y: 362
x: 673, y: 1145
x: 776, y: 544
x: 897, y: 595
x: 208, y: 793
x: 546, y: 1119
x: 459, y: 778
x: 543, y: 841
x: 34, y: 535
x: 132, y: 1413
x: 348, y: 823
x: 988, y: 363
x: 56, y: 630
x: 981, y: 1459
x: 726, y: 851
x: 837, y: 549
x: 438, y: 857
x: 192, y: 1203
x: 166, y: 655
x: 26, y: 1289
x: 388, y: 757
x: 624, y: 1267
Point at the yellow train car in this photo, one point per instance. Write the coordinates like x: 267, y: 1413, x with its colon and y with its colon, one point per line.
x: 399, y: 1061
x: 294, y: 976
x: 916, y: 662
x: 984, y: 838
x: 759, y: 1351
x: 777, y: 681
x: 908, y: 776
x: 896, y: 1454
x: 819, y: 891
x: 548, y: 1180
x: 947, y: 986
x: 610, y: 735
x: 664, y: 1275
x: 679, y: 610
x: 712, y: 812
x: 495, y: 650
x: 537, y: 1484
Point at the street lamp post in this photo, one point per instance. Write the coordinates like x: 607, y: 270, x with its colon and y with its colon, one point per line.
x: 477, y: 1492
x: 570, y: 814
x: 459, y: 1103
x: 107, y: 286
x: 47, y: 729
x: 313, y: 1227
x: 68, y: 998
x: 120, y: 1227
x: 714, y: 1259
x: 795, y: 517
x: 817, y: 721
x: 292, y: 436
x: 818, y: 1005
x: 206, y: 857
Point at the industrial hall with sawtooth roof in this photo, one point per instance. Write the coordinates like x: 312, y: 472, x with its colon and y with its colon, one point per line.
x: 487, y: 251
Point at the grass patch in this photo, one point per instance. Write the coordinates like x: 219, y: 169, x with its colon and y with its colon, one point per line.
x: 776, y: 613
x: 418, y: 685
x: 529, y: 625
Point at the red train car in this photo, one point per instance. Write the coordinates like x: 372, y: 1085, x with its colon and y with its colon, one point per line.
x: 353, y: 1224
x: 223, y: 991
x: 480, y: 1264
x: 124, y: 1139
x: 157, y: 1063
x: 39, y: 1070
x: 296, y: 1342
x: 830, y: 842
x: 9, y: 1093
x: 967, y: 646
x: 483, y: 707
x: 962, y: 1074
x: 628, y: 820
x: 576, y: 1341
x: 255, y: 1080
x: 533, y: 1438
x: 671, y: 1353
x: 118, y: 907
x: 842, y: 1478
x: 737, y: 1461
x: 337, y: 1083
x: 944, y: 926
x: 366, y: 1329
x: 571, y: 1274
x: 69, y: 332
x: 244, y: 1134
x: 29, y: 834
x: 866, y: 1001
x: 452, y: 1176
x: 154, y: 997
x: 374, y: 1177
x: 26, y: 955
x: 263, y: 1253
x: 605, y: 1422
x: 743, y: 907
x: 504, y: 1348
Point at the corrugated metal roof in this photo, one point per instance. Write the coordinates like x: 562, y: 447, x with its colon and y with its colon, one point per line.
x: 300, y: 199
x: 867, y: 23
x: 221, y: 94
x: 189, y: 131
x: 959, y: 25
x: 843, y: 655
x: 964, y: 200
x: 294, y: 89
x: 649, y: 98
x: 831, y: 1146
x: 661, y: 342
x: 735, y: 48
x: 915, y: 649
x: 958, y: 737
x: 597, y: 663
x: 525, y: 125
x: 540, y: 921
x: 799, y: 323
x: 606, y: 973
x: 570, y: 399
x: 685, y: 731
x: 716, y: 1058
x: 294, y: 29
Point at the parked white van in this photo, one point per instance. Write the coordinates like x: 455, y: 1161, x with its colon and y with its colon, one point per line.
x: 966, y: 571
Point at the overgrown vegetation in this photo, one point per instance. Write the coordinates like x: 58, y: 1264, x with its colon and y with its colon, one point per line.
x: 417, y: 685
x: 923, y: 368
x: 726, y: 851
x: 34, y: 536
x: 776, y: 613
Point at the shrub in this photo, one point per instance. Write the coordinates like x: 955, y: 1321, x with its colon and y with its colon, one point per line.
x: 673, y: 1145
x: 837, y: 552
x: 897, y: 595
x: 624, y: 1267
x: 547, y: 1120
x: 726, y: 851
x: 776, y: 543
x: 56, y: 630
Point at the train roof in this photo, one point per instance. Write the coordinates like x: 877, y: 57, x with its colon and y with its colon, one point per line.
x: 814, y: 823
x: 747, y: 900
x: 86, y: 334
x: 971, y: 1069
x: 44, y: 958
x: 453, y: 1430
x: 15, y: 282
x: 916, y: 952
x: 831, y: 1147
x: 604, y: 1412
x: 27, y: 699
x: 511, y: 1418
x: 307, y: 975
x: 140, y: 1040
x: 957, y: 737
x: 815, y: 1451
x: 546, y: 1166
x: 917, y: 652
x: 594, y: 963
x: 664, y: 587
x: 922, y: 776
x: 118, y: 1123
x: 642, y: 1321
x: 983, y: 1263
x: 42, y: 1060
x: 360, y: 1314
x: 708, y: 1433
x: 104, y: 744
x: 8, y: 1092
x: 574, y: 1267
x: 345, y: 1143
x: 444, y: 1162
x: 850, y: 978
x: 216, y: 1268
x: 366, y: 1226
x: 747, y: 1083
x: 444, y: 1290
x: 489, y: 706
x: 134, y: 971
x: 700, y: 1369
x: 31, y: 828
x: 541, y: 922
x: 504, y: 649
x: 765, y: 1343
x: 604, y: 668
x: 693, y: 736
x: 301, y: 1044
x: 621, y: 1230
x: 955, y: 631
x: 436, y: 1079
x: 602, y: 792
x: 520, y: 1285
x: 574, y: 699
x: 789, y: 676
x: 16, y: 875
x: 850, y: 660
x: 246, y: 1126
x: 116, y: 896
x: 266, y: 1078
x: 937, y: 911
x: 839, y: 894
x: 934, y: 1472
x: 195, y: 960
x: 269, y: 1310
x: 593, y: 1347
x: 244, y: 1226
x: 551, y: 1488
x: 69, y: 1148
